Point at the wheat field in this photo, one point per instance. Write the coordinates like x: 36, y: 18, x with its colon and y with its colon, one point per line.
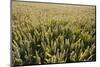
x: 44, y: 33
